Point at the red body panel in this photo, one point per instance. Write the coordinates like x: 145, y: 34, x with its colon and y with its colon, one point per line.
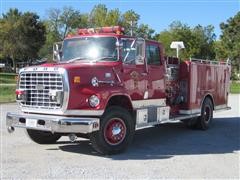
x: 134, y: 81
x: 205, y: 79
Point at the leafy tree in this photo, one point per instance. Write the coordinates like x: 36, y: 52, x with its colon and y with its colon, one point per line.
x: 61, y: 22
x: 98, y: 15
x: 70, y: 19
x: 205, y: 39
x: 220, y: 50
x: 51, y: 37
x: 21, y: 35
x: 182, y: 32
x: 144, y: 31
x: 231, y: 41
x: 166, y: 37
x: 130, y: 21
x: 198, y: 41
x: 9, y: 38
x: 53, y: 23
x: 33, y: 34
x: 113, y: 18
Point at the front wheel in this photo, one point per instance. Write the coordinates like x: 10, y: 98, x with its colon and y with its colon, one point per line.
x: 42, y: 137
x: 115, y: 133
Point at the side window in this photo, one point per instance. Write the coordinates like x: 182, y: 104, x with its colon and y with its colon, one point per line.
x: 153, y: 55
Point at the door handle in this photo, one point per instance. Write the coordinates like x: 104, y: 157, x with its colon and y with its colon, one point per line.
x: 144, y: 74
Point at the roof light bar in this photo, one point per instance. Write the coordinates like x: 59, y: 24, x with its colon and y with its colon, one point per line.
x: 112, y: 29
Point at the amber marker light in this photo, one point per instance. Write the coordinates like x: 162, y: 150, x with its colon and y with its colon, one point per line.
x: 76, y: 79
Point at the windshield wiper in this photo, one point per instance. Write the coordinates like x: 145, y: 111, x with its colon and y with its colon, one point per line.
x: 103, y: 58
x: 94, y: 60
x: 76, y: 59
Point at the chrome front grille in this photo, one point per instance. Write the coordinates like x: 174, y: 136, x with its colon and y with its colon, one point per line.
x: 38, y: 87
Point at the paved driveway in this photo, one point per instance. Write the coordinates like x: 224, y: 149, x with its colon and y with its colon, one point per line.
x: 168, y: 151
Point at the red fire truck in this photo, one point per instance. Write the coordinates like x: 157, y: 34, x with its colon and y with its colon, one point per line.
x: 105, y: 85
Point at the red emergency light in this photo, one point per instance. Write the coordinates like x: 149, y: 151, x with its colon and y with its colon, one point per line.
x: 112, y: 29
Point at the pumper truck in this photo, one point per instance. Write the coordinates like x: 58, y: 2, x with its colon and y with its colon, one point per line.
x: 105, y: 85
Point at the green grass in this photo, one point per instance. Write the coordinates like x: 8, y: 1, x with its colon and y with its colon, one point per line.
x: 235, y: 87
x: 7, y: 78
x: 7, y: 94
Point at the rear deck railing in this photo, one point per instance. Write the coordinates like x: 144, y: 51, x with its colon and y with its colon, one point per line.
x: 228, y: 62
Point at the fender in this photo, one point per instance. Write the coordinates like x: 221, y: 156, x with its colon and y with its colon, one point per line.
x: 205, y: 96
x: 120, y: 95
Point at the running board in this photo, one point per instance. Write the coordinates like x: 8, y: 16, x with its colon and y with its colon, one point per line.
x: 158, y: 115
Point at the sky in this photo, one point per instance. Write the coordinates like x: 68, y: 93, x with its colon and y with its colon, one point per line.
x: 158, y: 14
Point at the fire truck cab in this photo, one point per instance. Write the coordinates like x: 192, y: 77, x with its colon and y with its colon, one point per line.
x: 105, y: 85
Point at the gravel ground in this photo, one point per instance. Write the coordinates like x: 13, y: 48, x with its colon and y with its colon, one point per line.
x: 167, y: 151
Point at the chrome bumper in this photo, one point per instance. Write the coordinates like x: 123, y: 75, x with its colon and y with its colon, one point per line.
x: 55, y: 124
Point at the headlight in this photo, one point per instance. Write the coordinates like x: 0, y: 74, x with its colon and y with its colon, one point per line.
x: 21, y: 95
x: 94, y: 101
x: 94, y: 82
x: 56, y: 96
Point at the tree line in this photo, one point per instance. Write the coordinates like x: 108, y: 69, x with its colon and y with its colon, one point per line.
x: 24, y: 36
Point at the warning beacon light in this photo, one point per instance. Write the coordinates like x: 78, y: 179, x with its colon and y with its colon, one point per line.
x: 112, y: 29
x: 177, y: 45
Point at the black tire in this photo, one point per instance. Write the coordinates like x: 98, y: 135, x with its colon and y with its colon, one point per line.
x: 205, y: 119
x: 191, y: 123
x: 105, y: 141
x: 42, y: 137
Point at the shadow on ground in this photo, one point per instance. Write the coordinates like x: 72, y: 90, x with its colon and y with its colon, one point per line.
x: 170, y: 140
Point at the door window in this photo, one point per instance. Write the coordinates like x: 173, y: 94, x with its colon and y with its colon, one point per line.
x: 133, y: 51
x: 128, y: 51
x: 153, y: 55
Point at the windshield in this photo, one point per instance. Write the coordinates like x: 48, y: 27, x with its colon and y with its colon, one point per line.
x: 90, y: 48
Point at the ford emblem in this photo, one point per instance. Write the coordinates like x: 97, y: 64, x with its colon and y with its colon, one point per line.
x: 39, y: 87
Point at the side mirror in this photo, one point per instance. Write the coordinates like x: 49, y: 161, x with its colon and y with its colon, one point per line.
x: 139, y: 60
x: 119, y: 44
x: 140, y: 51
x: 57, y: 51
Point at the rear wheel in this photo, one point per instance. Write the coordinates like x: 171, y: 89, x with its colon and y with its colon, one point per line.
x: 42, y: 137
x: 116, y: 131
x: 205, y: 120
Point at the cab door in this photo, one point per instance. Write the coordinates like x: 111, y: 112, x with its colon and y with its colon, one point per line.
x: 133, y: 55
x: 155, y: 68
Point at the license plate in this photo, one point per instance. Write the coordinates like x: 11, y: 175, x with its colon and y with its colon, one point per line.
x: 31, y: 122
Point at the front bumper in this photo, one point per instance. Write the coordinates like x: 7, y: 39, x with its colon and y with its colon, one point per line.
x: 54, y: 124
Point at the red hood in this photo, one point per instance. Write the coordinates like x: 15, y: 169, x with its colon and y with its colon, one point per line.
x: 77, y: 65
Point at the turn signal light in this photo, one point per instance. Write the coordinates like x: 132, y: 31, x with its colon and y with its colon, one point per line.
x: 56, y: 96
x: 76, y: 79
